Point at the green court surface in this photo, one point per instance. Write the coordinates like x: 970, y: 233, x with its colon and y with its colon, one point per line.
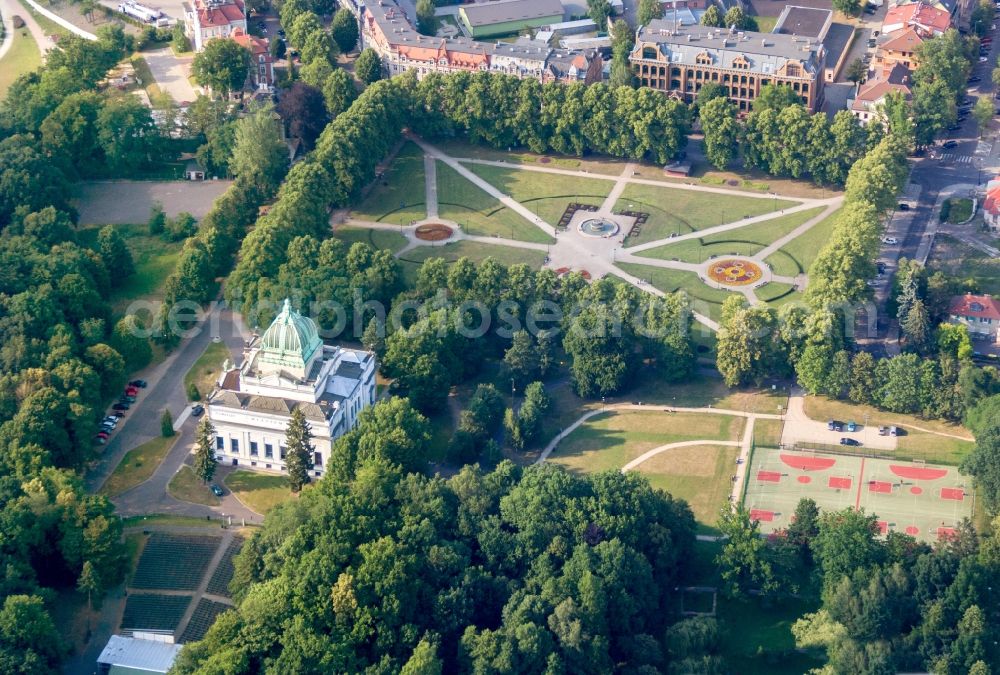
x: 922, y: 500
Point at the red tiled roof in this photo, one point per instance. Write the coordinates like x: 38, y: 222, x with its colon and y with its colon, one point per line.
x: 992, y: 201
x: 905, y: 40
x: 918, y: 14
x: 221, y: 15
x: 255, y: 44
x: 874, y: 90
x: 978, y: 306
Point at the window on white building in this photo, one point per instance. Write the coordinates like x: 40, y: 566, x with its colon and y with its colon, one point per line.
x: 253, y: 448
x: 220, y: 443
x: 268, y: 450
x: 281, y: 448
x: 234, y: 445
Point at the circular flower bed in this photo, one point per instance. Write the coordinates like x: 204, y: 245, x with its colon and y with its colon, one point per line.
x: 433, y: 232
x: 734, y: 272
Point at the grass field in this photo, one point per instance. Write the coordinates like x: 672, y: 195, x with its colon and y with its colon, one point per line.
x: 392, y: 241
x: 168, y: 519
x: 682, y: 211
x: 478, y: 213
x: 154, y: 258
x: 259, y: 491
x: 747, y: 241
x: 759, y: 637
x: 206, y: 370
x: 187, y: 487
x: 475, y: 251
x: 908, y: 498
x: 776, y: 292
x: 797, y: 255
x: 609, y: 441
x: 22, y: 58
x: 601, y: 165
x: 400, y: 196
x: 546, y: 194
x: 137, y: 466
x: 767, y: 433
x: 704, y: 300
x: 699, y: 474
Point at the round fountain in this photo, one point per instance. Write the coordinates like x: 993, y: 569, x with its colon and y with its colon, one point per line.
x: 599, y: 227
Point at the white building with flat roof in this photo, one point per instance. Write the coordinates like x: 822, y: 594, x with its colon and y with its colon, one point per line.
x: 289, y: 367
x: 136, y: 656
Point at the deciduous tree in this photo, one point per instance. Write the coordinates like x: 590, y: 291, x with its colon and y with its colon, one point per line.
x: 222, y: 66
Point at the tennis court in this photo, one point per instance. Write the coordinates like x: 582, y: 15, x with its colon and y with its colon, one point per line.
x: 923, y: 500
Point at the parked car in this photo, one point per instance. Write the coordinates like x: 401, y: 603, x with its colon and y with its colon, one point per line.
x: 101, y: 440
x: 197, y: 409
x: 903, y: 206
x: 138, y: 383
x: 973, y: 80
x: 216, y: 490
x: 851, y: 426
x: 883, y: 431
x: 834, y: 425
x: 121, y: 405
x: 127, y: 399
x: 850, y: 441
x: 118, y: 414
x: 880, y: 266
x: 891, y: 241
x: 948, y: 145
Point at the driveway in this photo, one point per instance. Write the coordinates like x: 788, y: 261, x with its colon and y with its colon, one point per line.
x: 8, y: 8
x: 171, y: 73
x: 122, y: 201
x: 800, y: 429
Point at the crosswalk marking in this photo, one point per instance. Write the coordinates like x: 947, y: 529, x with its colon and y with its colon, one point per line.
x: 961, y: 159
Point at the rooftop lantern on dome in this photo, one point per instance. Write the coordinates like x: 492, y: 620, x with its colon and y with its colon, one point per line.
x: 290, y: 344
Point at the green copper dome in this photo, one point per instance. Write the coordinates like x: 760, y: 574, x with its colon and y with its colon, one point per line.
x: 290, y: 341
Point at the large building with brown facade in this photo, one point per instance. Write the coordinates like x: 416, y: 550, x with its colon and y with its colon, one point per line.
x: 680, y: 60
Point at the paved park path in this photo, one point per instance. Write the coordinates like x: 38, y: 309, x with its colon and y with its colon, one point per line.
x: 8, y: 8
x: 600, y: 256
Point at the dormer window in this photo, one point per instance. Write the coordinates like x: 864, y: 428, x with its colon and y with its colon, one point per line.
x: 976, y: 306
x: 741, y: 62
x: 703, y: 59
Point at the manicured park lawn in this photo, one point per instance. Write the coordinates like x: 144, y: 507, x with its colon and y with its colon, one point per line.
x: 22, y: 58
x: 609, y: 441
x: 960, y: 209
x: 594, y: 164
x: 401, y: 194
x: 699, y: 474
x: 259, y: 491
x: 546, y: 194
x: 773, y: 291
x: 155, y: 259
x: 478, y: 213
x: 797, y: 255
x: 187, y: 487
x: 386, y: 239
x: 759, y: 637
x: 767, y: 433
x: 206, y: 370
x: 137, y: 466
x: 475, y: 251
x: 168, y: 519
x: 746, y: 241
x: 682, y: 211
x: 704, y: 299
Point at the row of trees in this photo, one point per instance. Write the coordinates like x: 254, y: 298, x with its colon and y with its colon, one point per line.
x: 61, y: 358
x: 782, y: 139
x: 514, y: 570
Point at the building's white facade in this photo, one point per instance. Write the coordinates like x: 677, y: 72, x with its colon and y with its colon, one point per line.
x: 209, y: 19
x: 289, y: 367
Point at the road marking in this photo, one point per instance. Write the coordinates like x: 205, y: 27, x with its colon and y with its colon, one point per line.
x: 182, y: 418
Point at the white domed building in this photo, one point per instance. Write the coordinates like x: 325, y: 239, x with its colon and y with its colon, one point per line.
x: 288, y: 367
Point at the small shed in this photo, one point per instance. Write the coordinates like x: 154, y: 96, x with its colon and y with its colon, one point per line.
x: 678, y: 169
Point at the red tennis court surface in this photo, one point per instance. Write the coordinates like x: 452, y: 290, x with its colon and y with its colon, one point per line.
x: 916, y: 490
x: 945, y: 532
x: 880, y: 486
x: 917, y: 472
x: 956, y: 494
x: 912, y: 531
x: 760, y: 514
x: 769, y: 476
x: 807, y: 462
x: 839, y: 483
x: 804, y: 479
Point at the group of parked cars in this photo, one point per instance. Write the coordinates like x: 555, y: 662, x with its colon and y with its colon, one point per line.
x: 110, y: 423
x: 851, y: 427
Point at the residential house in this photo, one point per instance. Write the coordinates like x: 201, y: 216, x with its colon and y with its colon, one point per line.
x: 872, y: 93
x: 980, y: 314
x: 991, y: 206
x: 210, y: 19
x: 898, y: 48
x: 261, y: 75
x: 926, y: 19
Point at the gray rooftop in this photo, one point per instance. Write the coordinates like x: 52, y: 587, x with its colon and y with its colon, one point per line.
x: 766, y: 52
x: 489, y: 13
x: 143, y: 655
x: 804, y: 21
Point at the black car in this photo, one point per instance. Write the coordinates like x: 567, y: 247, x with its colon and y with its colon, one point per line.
x: 138, y: 383
x: 880, y: 266
x: 197, y: 409
x: 120, y: 406
x: 904, y: 206
x: 850, y: 441
x: 973, y: 80
x: 948, y: 145
x: 216, y: 490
